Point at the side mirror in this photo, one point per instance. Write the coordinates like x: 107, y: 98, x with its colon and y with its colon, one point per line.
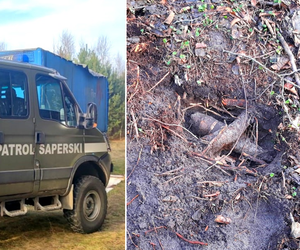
x: 91, y: 116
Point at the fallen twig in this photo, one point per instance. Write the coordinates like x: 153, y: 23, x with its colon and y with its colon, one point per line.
x: 136, y: 163
x: 252, y: 158
x: 178, y: 135
x: 135, y: 124
x: 132, y: 240
x: 190, y: 241
x: 251, y: 58
x: 214, y: 183
x: 153, y: 229
x: 128, y: 203
x: 172, y: 179
x: 169, y: 172
x: 159, y: 81
x: 291, y: 56
x: 171, y: 125
x: 212, y: 195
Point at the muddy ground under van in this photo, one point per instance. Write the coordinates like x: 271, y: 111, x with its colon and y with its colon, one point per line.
x: 213, y: 124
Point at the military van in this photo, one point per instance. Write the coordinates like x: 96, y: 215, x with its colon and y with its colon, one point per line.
x: 52, y: 155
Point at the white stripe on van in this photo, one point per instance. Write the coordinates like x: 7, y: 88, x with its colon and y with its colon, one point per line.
x: 95, y: 147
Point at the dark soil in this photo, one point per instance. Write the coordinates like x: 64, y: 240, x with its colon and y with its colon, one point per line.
x: 196, y: 63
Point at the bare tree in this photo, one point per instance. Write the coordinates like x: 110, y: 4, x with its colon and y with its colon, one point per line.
x: 3, y: 46
x: 102, y: 49
x: 65, y: 46
x: 119, y: 64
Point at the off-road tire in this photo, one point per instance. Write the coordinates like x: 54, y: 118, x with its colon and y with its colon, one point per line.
x: 90, y: 205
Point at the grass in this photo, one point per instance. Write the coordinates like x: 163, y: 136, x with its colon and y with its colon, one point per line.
x: 118, y: 156
x: 50, y: 231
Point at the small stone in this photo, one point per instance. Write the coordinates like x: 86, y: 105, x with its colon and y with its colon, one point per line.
x: 235, y: 69
x: 200, y: 52
x: 197, y: 215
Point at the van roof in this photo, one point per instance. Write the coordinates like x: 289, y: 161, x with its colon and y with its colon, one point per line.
x: 27, y: 66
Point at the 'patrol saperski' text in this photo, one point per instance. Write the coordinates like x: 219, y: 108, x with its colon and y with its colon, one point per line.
x: 44, y: 149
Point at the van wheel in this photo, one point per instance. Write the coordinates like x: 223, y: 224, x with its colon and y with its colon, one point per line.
x: 90, y: 205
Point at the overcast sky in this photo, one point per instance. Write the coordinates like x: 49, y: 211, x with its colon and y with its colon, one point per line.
x: 38, y: 23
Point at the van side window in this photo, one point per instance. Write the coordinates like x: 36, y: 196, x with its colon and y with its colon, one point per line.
x: 71, y: 108
x: 13, y: 94
x: 50, y: 98
x: 55, y: 101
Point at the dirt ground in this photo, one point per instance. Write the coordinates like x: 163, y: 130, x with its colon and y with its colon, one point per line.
x: 231, y: 63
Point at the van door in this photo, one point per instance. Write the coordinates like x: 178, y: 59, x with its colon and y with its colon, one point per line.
x: 59, y: 141
x: 16, y: 135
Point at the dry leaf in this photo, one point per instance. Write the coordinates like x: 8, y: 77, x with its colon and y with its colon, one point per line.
x: 281, y: 62
x: 253, y: 2
x: 235, y: 33
x: 201, y: 45
x: 185, y: 9
x: 223, y: 220
x: 247, y: 17
x: 295, y: 228
x: 234, y: 21
x: 297, y: 170
x: 290, y: 87
x: 224, y: 9
x: 170, y: 18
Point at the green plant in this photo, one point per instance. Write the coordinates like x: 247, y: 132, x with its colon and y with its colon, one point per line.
x: 202, y: 8
x: 174, y: 53
x: 182, y: 56
x: 265, y: 27
x: 142, y: 30
x: 207, y: 21
x: 225, y: 17
x: 272, y: 175
x: 197, y: 33
x: 250, y: 30
x: 278, y: 50
x: 168, y: 62
x: 188, y: 66
x: 272, y: 92
x: 165, y: 40
x: 260, y: 67
x: 294, y: 194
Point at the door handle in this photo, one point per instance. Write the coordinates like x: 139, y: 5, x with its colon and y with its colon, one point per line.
x: 1, y: 138
x: 39, y: 138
